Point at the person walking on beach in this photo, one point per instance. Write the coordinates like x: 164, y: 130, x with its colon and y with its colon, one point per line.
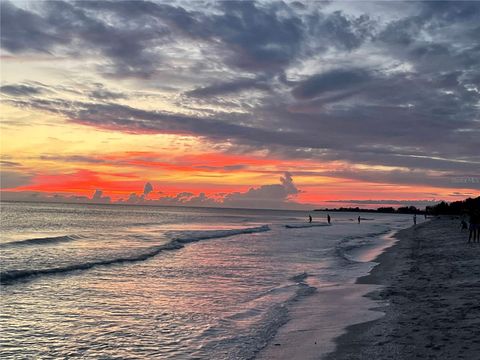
x: 328, y: 218
x: 309, y: 218
x: 414, y: 219
x: 359, y: 219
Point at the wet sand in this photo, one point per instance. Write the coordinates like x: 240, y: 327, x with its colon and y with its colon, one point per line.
x: 431, y: 283
x: 317, y: 321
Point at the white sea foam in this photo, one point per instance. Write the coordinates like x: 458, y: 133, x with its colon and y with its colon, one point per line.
x: 10, y: 276
x: 305, y: 225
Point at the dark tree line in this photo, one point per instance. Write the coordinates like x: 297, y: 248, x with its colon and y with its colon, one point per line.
x: 466, y: 206
x: 388, y: 210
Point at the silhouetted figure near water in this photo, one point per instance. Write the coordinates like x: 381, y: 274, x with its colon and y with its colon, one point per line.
x: 328, y: 218
x: 474, y: 228
x: 415, y: 219
x: 309, y: 218
x: 359, y: 219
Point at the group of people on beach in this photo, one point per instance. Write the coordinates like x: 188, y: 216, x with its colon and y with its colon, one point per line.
x: 474, y: 227
x: 329, y: 219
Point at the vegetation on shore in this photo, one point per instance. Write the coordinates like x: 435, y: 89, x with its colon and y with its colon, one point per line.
x: 466, y: 206
x: 443, y: 208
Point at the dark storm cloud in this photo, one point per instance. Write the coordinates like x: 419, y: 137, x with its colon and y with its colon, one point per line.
x: 250, y: 36
x: 273, y: 196
x: 20, y: 90
x: 256, y: 36
x: 13, y: 179
x: 331, y: 81
x: 261, y: 37
x: 100, y: 93
x: 253, y: 36
x: 147, y: 189
x: 97, y: 198
x: 126, y: 47
x: 72, y: 158
x: 451, y: 40
x: 222, y: 168
x: 228, y: 87
x: 7, y: 163
x: 23, y: 30
x: 341, y: 31
x: 60, y: 23
x: 125, y: 118
x: 450, y: 11
x: 407, y: 177
x: 418, y: 203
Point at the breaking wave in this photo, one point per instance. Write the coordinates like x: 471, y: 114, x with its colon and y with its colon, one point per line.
x: 351, y: 243
x: 11, y: 276
x: 41, y: 241
x: 261, y: 331
x: 305, y: 225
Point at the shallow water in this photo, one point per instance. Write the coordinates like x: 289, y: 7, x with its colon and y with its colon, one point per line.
x: 93, y: 281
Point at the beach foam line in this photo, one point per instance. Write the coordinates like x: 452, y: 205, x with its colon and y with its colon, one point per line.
x: 41, y: 241
x: 264, y: 330
x: 299, y: 277
x: 194, y: 236
x: 11, y: 276
x: 305, y: 225
x: 350, y: 243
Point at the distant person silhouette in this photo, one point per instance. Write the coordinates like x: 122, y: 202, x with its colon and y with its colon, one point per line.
x: 414, y: 219
x: 425, y: 216
x: 359, y: 219
x: 328, y: 218
x: 474, y: 228
x: 309, y: 218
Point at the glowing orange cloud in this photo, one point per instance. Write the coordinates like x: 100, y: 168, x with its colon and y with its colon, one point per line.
x: 82, y: 182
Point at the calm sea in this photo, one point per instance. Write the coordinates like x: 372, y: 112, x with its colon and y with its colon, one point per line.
x: 138, y: 282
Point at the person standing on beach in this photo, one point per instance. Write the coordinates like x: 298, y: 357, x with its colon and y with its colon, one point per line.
x: 359, y: 219
x: 328, y: 218
x: 477, y: 226
x: 309, y: 218
x: 414, y: 219
x: 474, y: 228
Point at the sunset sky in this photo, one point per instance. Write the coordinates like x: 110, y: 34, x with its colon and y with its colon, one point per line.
x: 241, y: 104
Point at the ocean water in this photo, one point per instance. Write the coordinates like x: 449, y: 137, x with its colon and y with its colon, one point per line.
x: 137, y: 282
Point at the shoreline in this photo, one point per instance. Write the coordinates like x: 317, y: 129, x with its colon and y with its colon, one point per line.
x: 430, y: 280
x: 318, y: 320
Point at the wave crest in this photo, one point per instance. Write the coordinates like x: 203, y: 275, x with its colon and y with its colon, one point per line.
x: 305, y: 225
x: 41, y: 241
x: 11, y: 276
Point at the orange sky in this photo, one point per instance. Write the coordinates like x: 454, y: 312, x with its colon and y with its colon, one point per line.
x: 55, y: 157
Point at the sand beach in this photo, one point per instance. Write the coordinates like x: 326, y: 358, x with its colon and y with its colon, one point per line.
x: 431, y: 283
